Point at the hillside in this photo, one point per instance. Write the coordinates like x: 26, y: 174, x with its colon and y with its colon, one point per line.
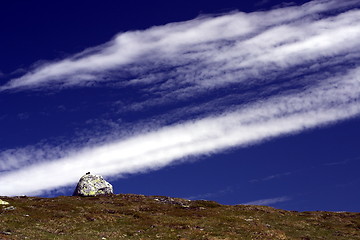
x: 129, y: 216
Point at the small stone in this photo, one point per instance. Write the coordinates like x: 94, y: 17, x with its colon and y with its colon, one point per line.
x: 10, y: 208
x: 3, y: 202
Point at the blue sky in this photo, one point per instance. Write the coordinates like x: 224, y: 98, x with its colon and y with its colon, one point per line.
x: 238, y: 102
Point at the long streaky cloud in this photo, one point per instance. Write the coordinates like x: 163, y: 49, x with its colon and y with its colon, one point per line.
x: 285, y: 71
x: 237, y: 41
x: 256, y: 123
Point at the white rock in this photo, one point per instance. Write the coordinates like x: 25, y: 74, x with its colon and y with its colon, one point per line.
x: 3, y: 202
x: 92, y: 185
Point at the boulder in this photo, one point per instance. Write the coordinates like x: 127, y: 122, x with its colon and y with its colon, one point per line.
x: 91, y: 185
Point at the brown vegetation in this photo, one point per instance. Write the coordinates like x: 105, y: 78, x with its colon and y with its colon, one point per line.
x: 129, y: 216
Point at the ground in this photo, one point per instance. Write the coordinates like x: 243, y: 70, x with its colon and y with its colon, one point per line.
x: 130, y: 216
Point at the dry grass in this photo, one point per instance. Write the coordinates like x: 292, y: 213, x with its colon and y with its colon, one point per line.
x: 128, y: 216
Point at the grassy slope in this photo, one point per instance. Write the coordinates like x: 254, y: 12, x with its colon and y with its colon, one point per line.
x: 128, y: 216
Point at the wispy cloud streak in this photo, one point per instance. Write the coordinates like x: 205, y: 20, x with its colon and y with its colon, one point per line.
x: 256, y: 123
x: 248, y: 43
x: 253, y: 77
x: 268, y: 201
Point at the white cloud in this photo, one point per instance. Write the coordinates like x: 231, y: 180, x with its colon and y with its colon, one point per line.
x: 271, y: 177
x: 221, y: 192
x: 253, y: 44
x: 268, y: 201
x: 255, y: 123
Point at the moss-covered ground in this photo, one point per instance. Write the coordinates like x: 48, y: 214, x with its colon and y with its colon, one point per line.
x: 129, y: 216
